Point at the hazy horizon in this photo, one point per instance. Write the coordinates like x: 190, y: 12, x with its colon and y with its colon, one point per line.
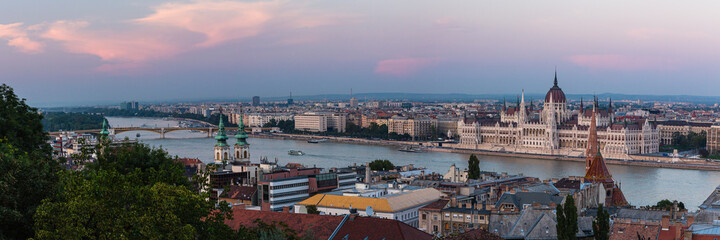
x: 83, y: 51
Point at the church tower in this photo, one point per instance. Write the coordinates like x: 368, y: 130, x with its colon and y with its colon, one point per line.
x: 222, y: 150
x: 242, y: 147
x: 592, y: 143
x: 104, y: 133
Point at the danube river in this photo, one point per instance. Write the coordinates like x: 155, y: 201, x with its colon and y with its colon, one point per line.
x: 641, y: 185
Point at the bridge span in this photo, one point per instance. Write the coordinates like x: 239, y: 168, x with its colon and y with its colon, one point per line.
x: 159, y: 130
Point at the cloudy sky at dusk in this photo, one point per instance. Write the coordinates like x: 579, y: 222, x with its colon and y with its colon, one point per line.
x: 93, y: 51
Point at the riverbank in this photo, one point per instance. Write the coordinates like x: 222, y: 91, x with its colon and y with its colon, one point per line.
x: 642, y: 161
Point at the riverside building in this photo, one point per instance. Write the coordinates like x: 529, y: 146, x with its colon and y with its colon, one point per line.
x: 557, y: 130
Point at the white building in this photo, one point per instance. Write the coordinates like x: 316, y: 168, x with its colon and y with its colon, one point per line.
x: 557, y: 130
x: 391, y: 201
x: 260, y: 119
x: 321, y: 122
x: 311, y: 122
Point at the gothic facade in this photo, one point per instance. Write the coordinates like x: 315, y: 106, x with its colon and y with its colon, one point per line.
x: 556, y: 130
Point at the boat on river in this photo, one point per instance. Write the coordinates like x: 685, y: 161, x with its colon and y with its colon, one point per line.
x: 296, y: 153
x: 409, y: 149
x: 317, y: 141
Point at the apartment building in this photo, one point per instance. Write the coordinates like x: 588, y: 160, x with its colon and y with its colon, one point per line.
x: 311, y: 122
x: 321, y: 122
x: 415, y: 127
x: 260, y: 119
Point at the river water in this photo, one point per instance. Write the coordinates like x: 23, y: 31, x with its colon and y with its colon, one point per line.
x: 641, y: 185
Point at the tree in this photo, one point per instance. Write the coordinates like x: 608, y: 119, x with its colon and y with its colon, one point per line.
x: 312, y: 209
x: 25, y: 180
x: 132, y: 191
x: 271, y: 123
x: 560, y: 227
x: 668, y: 205
x: 601, y: 224
x: 27, y: 172
x: 21, y: 124
x: 381, y: 165
x: 567, y: 225
x: 473, y: 167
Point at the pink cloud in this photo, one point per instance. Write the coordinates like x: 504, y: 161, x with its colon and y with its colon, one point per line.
x: 218, y: 21
x: 17, y: 37
x: 404, y: 67
x: 171, y: 29
x: 619, y: 62
x: 121, y: 48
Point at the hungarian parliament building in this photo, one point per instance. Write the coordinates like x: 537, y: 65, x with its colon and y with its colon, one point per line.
x: 556, y: 130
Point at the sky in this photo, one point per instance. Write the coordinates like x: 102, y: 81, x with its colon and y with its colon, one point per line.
x: 89, y: 52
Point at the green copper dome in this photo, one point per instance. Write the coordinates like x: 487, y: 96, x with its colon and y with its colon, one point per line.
x: 104, y: 132
x: 241, y: 136
x: 221, y: 137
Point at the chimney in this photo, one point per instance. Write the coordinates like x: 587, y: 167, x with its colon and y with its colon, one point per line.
x: 367, y: 173
x: 536, y: 204
x: 552, y: 205
x: 286, y: 209
x: 665, y: 222
x: 678, y: 230
x: 687, y: 235
x: 353, y: 214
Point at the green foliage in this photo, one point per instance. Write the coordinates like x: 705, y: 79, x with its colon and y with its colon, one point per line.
x: 687, y: 142
x: 27, y: 172
x: 560, y: 227
x: 113, y: 112
x: 25, y: 180
x: 601, y: 224
x: 473, y: 167
x: 667, y: 205
x: 567, y: 223
x: 373, y: 131
x: 130, y: 192
x: 21, y: 126
x: 57, y: 121
x: 312, y: 209
x: 154, y: 163
x: 286, y: 126
x: 381, y: 165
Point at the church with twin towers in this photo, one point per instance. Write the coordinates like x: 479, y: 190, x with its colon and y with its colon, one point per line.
x: 555, y: 129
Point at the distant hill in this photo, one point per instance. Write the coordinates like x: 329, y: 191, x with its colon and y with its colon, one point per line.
x: 460, y: 97
x: 442, y: 97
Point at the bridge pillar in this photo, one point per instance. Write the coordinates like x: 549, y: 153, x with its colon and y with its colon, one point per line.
x: 210, y: 130
x: 162, y: 133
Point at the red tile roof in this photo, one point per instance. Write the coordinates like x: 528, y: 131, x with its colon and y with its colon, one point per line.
x: 631, y: 231
x: 322, y: 226
x: 378, y: 228
x: 188, y: 161
x: 598, y: 171
x: 241, y: 192
x: 436, y: 206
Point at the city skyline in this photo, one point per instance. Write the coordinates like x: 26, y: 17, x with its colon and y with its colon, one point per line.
x: 91, y: 52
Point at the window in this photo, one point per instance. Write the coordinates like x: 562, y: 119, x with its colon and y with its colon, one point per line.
x: 424, y: 217
x: 435, y: 228
x: 447, y: 215
x: 435, y: 216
